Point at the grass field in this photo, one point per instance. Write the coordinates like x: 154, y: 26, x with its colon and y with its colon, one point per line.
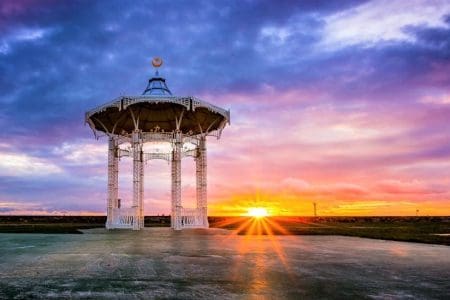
x: 432, y: 230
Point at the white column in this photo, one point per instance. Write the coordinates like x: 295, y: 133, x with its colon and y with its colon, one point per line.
x: 116, y: 177
x: 113, y: 164
x: 141, y: 189
x: 201, y: 178
x: 137, y: 180
x: 176, y: 181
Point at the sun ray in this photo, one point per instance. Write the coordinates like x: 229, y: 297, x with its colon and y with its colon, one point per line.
x: 274, y: 224
x: 277, y: 247
x: 243, y: 226
x: 252, y: 229
x: 229, y: 221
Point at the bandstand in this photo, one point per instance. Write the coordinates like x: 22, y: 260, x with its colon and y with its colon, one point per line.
x: 184, y: 123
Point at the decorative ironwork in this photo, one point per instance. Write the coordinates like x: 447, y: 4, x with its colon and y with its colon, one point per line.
x: 124, y: 218
x: 113, y: 179
x: 201, y: 168
x: 191, y: 218
x: 176, y: 181
x: 157, y: 116
x: 137, y: 178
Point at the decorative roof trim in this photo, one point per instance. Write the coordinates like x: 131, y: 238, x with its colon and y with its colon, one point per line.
x: 190, y: 103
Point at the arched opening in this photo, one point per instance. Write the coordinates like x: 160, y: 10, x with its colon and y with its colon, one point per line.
x: 157, y: 180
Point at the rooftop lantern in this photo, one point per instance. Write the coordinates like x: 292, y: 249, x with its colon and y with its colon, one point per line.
x: 157, y: 116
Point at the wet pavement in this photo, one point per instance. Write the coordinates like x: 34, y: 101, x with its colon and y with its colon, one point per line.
x: 216, y: 264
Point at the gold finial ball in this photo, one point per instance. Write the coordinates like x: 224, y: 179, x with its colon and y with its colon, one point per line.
x: 157, y: 62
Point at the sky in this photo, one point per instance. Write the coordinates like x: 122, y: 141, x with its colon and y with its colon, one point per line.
x: 342, y: 103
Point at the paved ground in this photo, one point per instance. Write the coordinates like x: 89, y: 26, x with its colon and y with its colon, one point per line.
x: 160, y: 263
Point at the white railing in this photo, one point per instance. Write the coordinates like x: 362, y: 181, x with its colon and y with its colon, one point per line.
x: 191, y: 218
x: 123, y: 217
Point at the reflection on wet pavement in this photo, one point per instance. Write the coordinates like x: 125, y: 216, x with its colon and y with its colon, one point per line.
x: 215, y: 263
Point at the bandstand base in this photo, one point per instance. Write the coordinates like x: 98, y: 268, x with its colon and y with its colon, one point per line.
x: 124, y: 218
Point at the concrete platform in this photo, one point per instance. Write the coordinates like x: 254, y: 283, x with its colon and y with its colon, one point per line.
x: 206, y: 264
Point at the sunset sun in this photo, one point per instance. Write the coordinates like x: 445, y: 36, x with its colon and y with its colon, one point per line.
x: 257, y: 212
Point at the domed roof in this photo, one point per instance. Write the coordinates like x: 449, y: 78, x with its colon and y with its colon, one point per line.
x: 157, y: 110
